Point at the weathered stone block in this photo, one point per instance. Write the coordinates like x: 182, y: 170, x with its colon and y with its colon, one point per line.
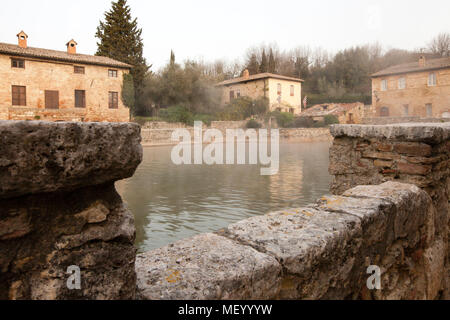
x: 413, y: 149
x: 430, y: 133
x: 59, y: 208
x: 40, y: 157
x: 382, y: 163
x: 315, y: 247
x: 207, y: 266
x: 409, y: 168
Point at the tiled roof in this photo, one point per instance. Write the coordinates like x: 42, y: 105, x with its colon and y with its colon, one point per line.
x: 63, y: 56
x: 337, y: 109
x: 431, y: 64
x: 258, y: 76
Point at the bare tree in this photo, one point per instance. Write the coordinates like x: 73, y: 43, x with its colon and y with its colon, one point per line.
x: 440, y: 45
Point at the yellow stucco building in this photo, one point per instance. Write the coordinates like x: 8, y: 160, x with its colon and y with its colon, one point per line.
x: 41, y: 84
x: 418, y: 89
x: 284, y: 93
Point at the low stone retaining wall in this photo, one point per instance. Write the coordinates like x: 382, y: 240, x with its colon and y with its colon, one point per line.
x: 59, y: 208
x: 157, y: 137
x: 163, y: 125
x: 317, y: 252
x: 394, y: 120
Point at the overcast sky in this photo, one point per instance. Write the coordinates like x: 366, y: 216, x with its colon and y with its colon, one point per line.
x: 212, y: 29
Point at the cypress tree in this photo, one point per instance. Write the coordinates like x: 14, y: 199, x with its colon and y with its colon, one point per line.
x: 264, y: 67
x: 120, y: 39
x: 172, y: 58
x: 272, y: 63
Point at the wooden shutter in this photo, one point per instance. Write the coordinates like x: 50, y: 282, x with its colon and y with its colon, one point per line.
x: 113, y: 100
x: 51, y: 99
x: 79, y: 70
x: 80, y: 99
x: 19, y: 96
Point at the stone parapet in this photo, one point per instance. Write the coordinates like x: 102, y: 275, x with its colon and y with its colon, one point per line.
x: 416, y: 153
x: 59, y: 208
x: 317, y: 252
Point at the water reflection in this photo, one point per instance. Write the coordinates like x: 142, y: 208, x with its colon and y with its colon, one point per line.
x: 172, y: 202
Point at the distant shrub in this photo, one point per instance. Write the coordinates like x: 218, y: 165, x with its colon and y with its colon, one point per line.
x: 303, y: 122
x: 243, y: 108
x: 331, y: 119
x: 142, y: 120
x: 319, y: 124
x: 177, y: 113
x: 205, y: 118
x: 284, y: 119
x: 253, y: 124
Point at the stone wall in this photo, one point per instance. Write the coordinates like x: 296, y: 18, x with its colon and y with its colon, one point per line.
x: 417, y: 153
x: 158, y: 137
x: 59, y: 208
x: 317, y: 252
x: 223, y: 125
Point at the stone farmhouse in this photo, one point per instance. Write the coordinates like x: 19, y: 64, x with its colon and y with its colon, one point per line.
x: 284, y: 93
x: 41, y: 84
x: 346, y: 113
x: 418, y: 89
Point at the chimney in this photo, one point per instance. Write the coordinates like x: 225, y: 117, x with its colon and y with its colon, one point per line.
x: 422, y: 61
x: 22, y: 37
x: 71, y: 47
x: 246, y: 74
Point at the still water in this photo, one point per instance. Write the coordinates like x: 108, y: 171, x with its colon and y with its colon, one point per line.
x: 172, y: 202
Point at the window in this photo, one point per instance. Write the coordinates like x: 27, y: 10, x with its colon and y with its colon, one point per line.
x: 384, y: 85
x: 279, y: 89
x: 18, y: 63
x: 113, y: 100
x: 405, y: 110
x: 79, y: 70
x: 384, y: 112
x: 19, y: 96
x: 429, y: 108
x: 292, y: 91
x: 238, y: 93
x: 231, y: 95
x: 432, y: 79
x: 51, y: 99
x: 80, y: 99
x: 112, y: 73
x: 402, y: 83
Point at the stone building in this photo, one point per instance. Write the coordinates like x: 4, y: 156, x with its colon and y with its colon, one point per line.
x: 41, y: 84
x: 420, y: 89
x: 284, y: 93
x: 346, y: 113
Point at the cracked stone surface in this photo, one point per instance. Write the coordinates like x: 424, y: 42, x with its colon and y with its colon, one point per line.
x: 206, y: 267
x: 41, y: 157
